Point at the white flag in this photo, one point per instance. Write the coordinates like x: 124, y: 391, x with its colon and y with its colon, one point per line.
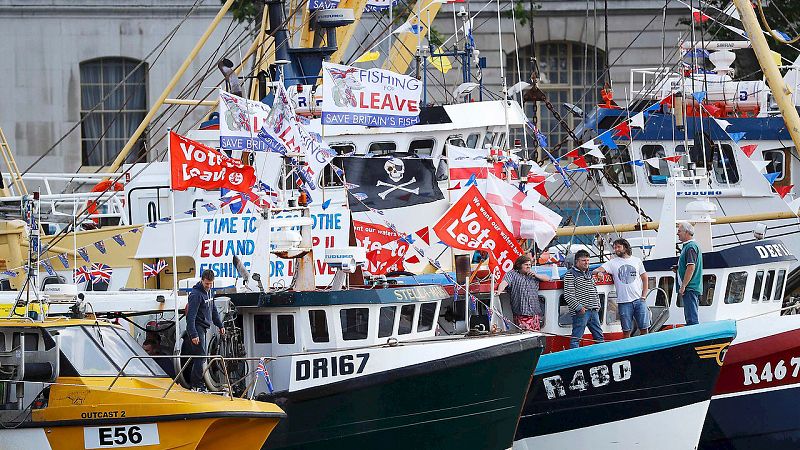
x: 522, y: 213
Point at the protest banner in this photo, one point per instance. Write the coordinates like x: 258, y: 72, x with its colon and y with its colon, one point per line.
x: 385, y: 250
x: 192, y: 164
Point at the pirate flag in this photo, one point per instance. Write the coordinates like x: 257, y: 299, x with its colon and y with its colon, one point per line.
x: 388, y: 183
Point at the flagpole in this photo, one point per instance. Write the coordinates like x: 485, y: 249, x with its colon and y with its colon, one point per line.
x: 174, y: 243
x: 74, y: 242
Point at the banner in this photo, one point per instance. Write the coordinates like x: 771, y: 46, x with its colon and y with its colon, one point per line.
x: 386, y: 183
x: 372, y: 98
x: 284, y: 132
x: 194, y: 165
x: 372, y: 5
x: 240, y: 120
x: 385, y: 250
x: 471, y: 224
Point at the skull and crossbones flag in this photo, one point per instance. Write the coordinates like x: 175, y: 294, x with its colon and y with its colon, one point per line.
x: 388, y: 183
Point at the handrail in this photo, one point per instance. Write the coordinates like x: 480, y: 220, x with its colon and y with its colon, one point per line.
x: 186, y: 364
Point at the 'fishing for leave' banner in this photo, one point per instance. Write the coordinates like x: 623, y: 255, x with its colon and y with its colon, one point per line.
x: 240, y: 120
x: 194, y: 165
x: 471, y: 224
x: 372, y: 98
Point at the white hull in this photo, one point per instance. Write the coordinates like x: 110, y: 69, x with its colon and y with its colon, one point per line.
x: 673, y: 429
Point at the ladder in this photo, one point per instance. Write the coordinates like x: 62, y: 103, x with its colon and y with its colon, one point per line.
x: 13, y: 170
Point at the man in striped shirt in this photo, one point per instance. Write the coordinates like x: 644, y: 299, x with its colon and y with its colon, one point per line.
x: 582, y: 299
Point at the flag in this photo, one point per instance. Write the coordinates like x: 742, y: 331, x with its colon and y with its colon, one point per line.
x: 148, y: 271
x: 100, y: 246
x: 193, y: 164
x: 749, y: 149
x: 674, y: 158
x: 384, y: 246
x: 48, y: 268
x: 118, y: 239
x: 210, y: 207
x: 699, y: 17
x: 407, y: 27
x: 783, y: 190
x: 64, y: 261
x: 622, y: 129
x: 83, y: 254
x: 9, y: 273
x: 464, y: 163
x: 699, y: 96
x: 81, y: 274
x: 736, y: 137
x: 100, y: 272
x: 262, y: 370
x: 424, y: 234
x: 521, y: 213
x: 607, y: 140
x: 389, y: 183
x: 772, y: 176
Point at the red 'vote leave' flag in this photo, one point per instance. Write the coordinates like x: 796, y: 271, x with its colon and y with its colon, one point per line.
x: 195, y: 165
x: 471, y: 224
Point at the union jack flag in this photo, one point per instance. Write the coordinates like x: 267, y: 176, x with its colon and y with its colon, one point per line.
x: 100, y: 273
x: 118, y: 239
x: 100, y: 246
x: 83, y: 254
x: 81, y: 274
x: 262, y: 369
x: 155, y: 269
x: 64, y: 261
x: 341, y: 74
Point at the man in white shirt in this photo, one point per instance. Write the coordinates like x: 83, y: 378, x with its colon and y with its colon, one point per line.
x: 630, y: 282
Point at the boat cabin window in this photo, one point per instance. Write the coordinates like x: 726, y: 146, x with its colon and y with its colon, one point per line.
x: 664, y: 292
x: 426, y: 316
x: 329, y: 177
x: 262, y: 328
x: 656, y: 175
x: 319, y: 325
x: 768, y: 286
x: 777, y: 161
x: 618, y: 167
x: 472, y: 140
x: 611, y: 308
x: 724, y: 163
x: 458, y: 141
x: 501, y: 140
x: 757, y: 286
x: 734, y: 291
x: 285, y: 329
x: 707, y: 298
x: 543, y: 305
x: 488, y: 139
x: 382, y: 149
x: 422, y: 148
x: 406, y: 319
x: 102, y: 351
x: 779, y: 285
x: 355, y: 323
x: 386, y: 321
x: 709, y: 285
x: 31, y: 341
x: 564, y: 316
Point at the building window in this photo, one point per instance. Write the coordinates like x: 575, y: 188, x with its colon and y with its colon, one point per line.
x: 570, y: 72
x: 734, y: 292
x: 105, y: 130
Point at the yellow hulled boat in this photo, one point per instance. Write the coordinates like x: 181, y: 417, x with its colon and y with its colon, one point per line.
x: 86, y: 384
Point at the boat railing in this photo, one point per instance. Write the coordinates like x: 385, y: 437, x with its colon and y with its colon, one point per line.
x: 223, y: 362
x: 649, y: 82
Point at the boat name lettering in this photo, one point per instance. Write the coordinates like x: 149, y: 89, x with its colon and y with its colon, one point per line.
x: 770, y: 372
x: 102, y: 414
x: 772, y: 251
x: 599, y: 376
x: 418, y: 293
x: 710, y: 193
x: 333, y: 366
x: 121, y: 436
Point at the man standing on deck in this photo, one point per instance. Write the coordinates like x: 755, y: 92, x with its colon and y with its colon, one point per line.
x: 630, y: 282
x: 580, y: 293
x: 690, y: 273
x: 200, y: 313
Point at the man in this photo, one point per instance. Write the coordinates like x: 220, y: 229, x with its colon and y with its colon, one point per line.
x: 584, y: 303
x: 690, y: 273
x: 524, y: 292
x: 630, y: 282
x: 200, y: 313
x: 152, y: 348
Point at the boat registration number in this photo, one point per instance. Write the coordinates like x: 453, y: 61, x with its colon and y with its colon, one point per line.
x: 120, y: 436
x: 752, y: 374
x: 599, y: 376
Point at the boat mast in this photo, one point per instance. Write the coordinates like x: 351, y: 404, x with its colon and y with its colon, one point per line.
x: 782, y: 94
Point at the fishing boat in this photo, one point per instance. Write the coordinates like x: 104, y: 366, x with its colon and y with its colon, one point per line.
x: 85, y: 383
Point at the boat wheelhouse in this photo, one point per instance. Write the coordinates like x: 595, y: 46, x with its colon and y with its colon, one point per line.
x: 365, y: 367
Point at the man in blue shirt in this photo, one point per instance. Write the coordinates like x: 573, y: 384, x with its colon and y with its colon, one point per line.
x: 200, y: 313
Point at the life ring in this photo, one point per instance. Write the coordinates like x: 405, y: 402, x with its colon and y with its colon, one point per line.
x: 103, y: 186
